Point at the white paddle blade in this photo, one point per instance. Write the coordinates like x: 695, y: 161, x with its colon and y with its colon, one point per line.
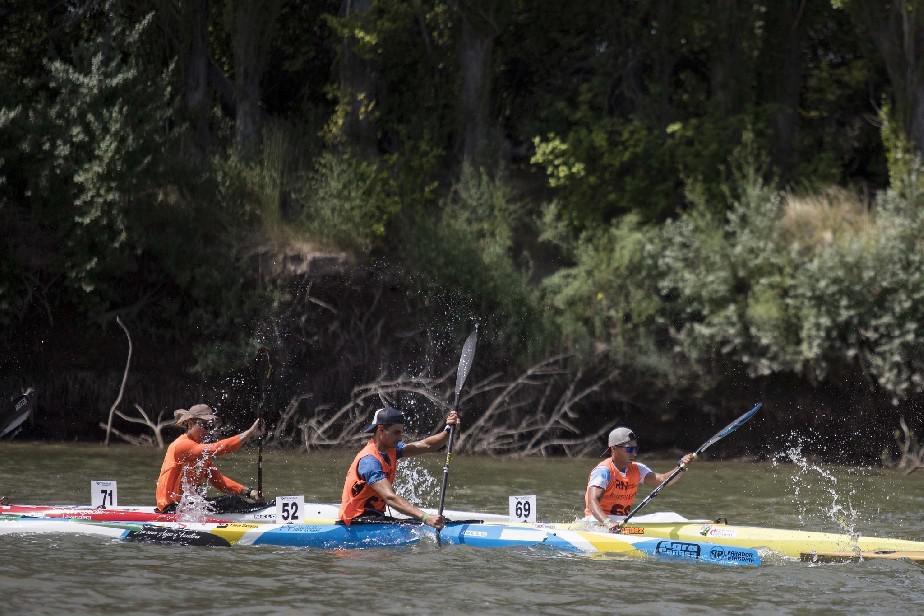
x: 465, y: 361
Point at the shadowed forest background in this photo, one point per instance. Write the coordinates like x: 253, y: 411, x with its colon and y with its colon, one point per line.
x: 658, y: 212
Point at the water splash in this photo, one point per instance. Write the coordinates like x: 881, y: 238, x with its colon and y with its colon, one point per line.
x: 808, y: 476
x: 415, y: 483
x: 194, y: 505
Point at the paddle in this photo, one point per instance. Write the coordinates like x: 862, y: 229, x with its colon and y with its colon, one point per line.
x: 712, y: 441
x: 465, y: 364
x: 262, y: 352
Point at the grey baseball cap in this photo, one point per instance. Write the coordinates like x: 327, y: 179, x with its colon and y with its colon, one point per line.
x: 619, y: 436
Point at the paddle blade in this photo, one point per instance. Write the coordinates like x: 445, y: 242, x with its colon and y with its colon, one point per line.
x: 465, y: 361
x: 730, y: 428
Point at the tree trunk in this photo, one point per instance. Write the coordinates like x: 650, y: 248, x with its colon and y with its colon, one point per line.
x: 475, y: 52
x: 481, y: 24
x: 897, y: 29
x: 357, y: 88
x: 730, y: 68
x: 253, y: 29
x: 196, y: 95
x: 782, y: 64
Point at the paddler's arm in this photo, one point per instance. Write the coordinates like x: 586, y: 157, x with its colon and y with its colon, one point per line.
x: 653, y: 479
x: 433, y: 442
x: 385, y: 491
x: 592, y: 501
x: 225, y: 484
x: 226, y: 445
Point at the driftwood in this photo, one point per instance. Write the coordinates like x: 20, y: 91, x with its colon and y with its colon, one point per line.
x: 912, y: 453
x: 156, y: 427
x: 341, y: 426
x: 128, y: 362
x: 533, y: 414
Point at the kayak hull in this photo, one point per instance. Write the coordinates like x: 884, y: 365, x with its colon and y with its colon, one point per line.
x: 792, y: 543
x: 331, y: 536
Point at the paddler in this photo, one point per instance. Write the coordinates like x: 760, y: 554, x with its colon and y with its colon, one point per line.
x: 369, y: 484
x: 189, y: 464
x: 613, y: 482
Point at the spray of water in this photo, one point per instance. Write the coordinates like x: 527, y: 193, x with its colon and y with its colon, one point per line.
x: 807, y: 477
x: 193, y: 505
x: 415, y: 483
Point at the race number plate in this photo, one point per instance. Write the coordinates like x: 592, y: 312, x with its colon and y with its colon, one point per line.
x: 104, y: 494
x: 290, y: 509
x: 523, y: 508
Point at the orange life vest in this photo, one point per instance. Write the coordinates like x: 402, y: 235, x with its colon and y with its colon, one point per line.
x: 618, y: 496
x: 358, y: 497
x: 191, y: 461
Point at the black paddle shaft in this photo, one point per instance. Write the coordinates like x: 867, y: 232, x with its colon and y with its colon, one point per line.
x: 263, y: 353
x: 465, y: 365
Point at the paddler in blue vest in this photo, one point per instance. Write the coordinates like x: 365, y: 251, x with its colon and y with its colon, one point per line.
x: 614, y: 482
x: 369, y: 484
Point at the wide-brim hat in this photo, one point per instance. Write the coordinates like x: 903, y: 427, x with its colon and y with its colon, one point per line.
x: 386, y: 416
x: 197, y: 411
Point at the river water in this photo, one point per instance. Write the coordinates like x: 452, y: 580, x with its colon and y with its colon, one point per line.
x: 47, y: 574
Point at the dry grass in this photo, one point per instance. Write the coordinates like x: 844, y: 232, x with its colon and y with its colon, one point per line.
x: 816, y: 221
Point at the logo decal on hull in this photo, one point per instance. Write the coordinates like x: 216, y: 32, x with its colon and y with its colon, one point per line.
x: 716, y: 531
x: 632, y: 530
x: 678, y: 549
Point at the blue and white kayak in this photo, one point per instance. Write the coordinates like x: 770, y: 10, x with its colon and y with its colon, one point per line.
x: 335, y: 536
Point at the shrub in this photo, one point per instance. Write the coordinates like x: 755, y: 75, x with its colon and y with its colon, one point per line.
x: 347, y: 202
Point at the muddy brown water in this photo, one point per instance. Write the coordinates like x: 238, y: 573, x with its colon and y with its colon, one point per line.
x: 58, y: 574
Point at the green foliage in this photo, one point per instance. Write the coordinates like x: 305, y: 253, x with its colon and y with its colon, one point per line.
x: 636, y: 132
x: 700, y: 295
x: 347, y: 202
x: 560, y: 168
x: 469, y: 252
x: 723, y: 281
x: 94, y: 149
x: 608, y: 168
x: 256, y: 193
x: 904, y: 163
x: 607, y: 300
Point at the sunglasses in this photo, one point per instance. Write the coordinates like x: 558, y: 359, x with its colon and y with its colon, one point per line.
x: 629, y: 448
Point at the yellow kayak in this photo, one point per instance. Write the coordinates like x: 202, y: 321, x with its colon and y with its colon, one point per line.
x: 794, y: 543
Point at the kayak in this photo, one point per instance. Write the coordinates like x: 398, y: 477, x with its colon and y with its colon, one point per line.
x: 844, y: 557
x: 389, y: 534
x: 793, y: 543
x: 267, y: 514
x: 13, y: 416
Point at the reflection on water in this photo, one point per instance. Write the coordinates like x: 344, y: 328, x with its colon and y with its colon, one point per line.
x: 91, y: 575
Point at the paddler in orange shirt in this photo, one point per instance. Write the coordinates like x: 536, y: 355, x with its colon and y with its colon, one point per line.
x: 368, y: 487
x: 189, y: 464
x: 614, y: 482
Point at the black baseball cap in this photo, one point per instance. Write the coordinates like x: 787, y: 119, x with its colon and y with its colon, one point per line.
x: 387, y: 416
